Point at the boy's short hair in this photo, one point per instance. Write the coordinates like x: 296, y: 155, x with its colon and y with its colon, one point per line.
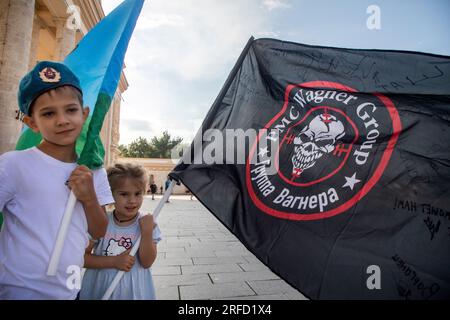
x: 121, y: 171
x: 45, y: 76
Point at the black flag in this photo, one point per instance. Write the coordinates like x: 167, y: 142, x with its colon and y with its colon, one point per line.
x: 344, y: 186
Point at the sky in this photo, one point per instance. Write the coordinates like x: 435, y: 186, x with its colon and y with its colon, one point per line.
x: 182, y: 51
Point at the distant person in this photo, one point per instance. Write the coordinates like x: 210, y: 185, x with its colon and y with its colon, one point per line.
x: 112, y: 253
x: 153, y: 190
x: 153, y: 187
x: 161, y: 189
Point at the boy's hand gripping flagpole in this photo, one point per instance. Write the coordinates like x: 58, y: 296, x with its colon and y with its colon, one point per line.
x: 135, y: 248
x: 104, y: 47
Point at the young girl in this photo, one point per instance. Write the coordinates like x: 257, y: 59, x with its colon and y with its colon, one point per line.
x: 111, y: 253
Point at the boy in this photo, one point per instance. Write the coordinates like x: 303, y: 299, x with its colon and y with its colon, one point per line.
x: 35, y: 185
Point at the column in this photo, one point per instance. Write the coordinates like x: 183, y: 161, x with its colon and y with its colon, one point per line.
x: 34, y: 42
x: 16, y: 25
x: 105, y: 134
x: 115, y: 129
x: 65, y: 39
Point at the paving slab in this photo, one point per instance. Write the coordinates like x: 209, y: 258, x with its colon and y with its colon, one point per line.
x: 215, y: 291
x: 199, y: 258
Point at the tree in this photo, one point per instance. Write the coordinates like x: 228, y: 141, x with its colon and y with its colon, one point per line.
x: 139, y: 148
x: 163, y: 145
x: 123, y: 149
x: 159, y: 147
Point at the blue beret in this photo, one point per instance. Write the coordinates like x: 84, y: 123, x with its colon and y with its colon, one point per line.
x: 45, y: 76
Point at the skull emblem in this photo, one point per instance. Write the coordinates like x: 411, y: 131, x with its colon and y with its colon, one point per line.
x: 316, y: 139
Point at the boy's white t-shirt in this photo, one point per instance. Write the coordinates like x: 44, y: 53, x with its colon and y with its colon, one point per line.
x: 33, y: 197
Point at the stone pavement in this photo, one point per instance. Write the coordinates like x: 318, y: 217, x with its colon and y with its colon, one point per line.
x: 199, y: 258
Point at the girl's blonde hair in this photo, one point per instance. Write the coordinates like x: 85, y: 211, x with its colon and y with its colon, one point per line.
x: 121, y: 171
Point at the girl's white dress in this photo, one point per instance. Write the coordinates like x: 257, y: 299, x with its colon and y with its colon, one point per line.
x: 136, y: 284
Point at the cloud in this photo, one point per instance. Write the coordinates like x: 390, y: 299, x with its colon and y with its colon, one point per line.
x: 109, y: 5
x: 136, y: 124
x: 131, y: 129
x: 274, y: 4
x: 179, y: 57
x: 194, y: 39
x: 267, y: 34
x: 160, y: 20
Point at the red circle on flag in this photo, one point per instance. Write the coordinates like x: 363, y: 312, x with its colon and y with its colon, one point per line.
x: 396, y: 129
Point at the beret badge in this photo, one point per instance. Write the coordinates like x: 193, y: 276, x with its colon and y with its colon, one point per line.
x: 49, y: 75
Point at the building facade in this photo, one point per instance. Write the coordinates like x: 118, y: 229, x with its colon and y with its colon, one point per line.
x: 36, y: 30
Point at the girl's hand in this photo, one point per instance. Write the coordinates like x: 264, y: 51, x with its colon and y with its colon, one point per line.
x: 146, y: 223
x: 81, y: 182
x: 124, y: 261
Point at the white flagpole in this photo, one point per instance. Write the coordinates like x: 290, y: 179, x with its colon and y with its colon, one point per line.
x: 61, y: 237
x: 135, y: 248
